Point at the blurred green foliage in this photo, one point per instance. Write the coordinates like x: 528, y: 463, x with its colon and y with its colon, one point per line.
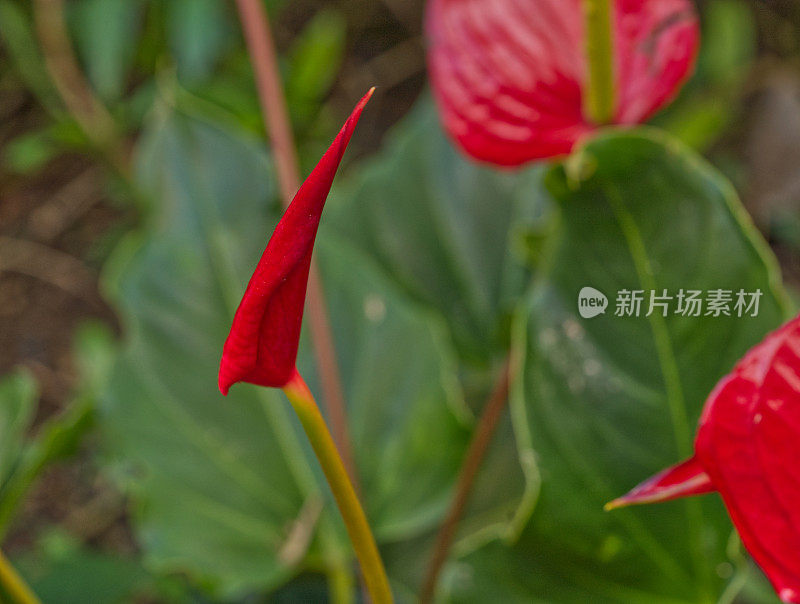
x: 18, y: 396
x: 712, y: 99
x: 434, y: 267
x: 21, y: 459
x: 106, y: 34
x: 60, y: 570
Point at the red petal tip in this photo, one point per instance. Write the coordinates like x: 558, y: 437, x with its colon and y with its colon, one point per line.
x: 362, y: 103
x: 687, y: 478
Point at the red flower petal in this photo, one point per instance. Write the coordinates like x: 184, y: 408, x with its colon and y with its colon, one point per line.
x: 748, y: 446
x: 749, y: 443
x: 509, y: 75
x: 687, y: 478
x: 262, y: 345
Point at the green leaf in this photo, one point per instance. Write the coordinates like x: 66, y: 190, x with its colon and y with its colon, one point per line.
x: 444, y: 228
x: 106, y: 35
x: 215, y: 487
x: 451, y: 234
x: 18, y: 398
x: 729, y: 42
x: 402, y: 394
x: 21, y: 459
x: 29, y: 152
x: 18, y: 37
x: 313, y: 62
x: 608, y: 401
x: 198, y: 31
x: 221, y: 485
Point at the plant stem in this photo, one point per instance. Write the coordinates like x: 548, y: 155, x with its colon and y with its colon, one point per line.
x: 255, y: 24
x: 599, y: 100
x: 481, y: 438
x: 341, y: 586
x: 261, y: 46
x: 354, y: 519
x: 13, y: 585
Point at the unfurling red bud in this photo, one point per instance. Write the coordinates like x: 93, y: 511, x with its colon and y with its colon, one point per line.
x: 262, y: 345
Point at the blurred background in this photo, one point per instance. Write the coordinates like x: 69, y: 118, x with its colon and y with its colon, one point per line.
x: 79, y: 82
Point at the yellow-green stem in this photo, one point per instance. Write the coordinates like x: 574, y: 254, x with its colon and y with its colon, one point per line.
x: 13, y: 585
x: 599, y: 98
x: 354, y: 519
x: 341, y: 585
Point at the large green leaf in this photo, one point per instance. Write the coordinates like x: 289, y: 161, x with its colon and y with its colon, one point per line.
x: 443, y: 228
x: 217, y: 481
x: 402, y: 394
x: 451, y: 234
x: 220, y: 483
x: 608, y: 401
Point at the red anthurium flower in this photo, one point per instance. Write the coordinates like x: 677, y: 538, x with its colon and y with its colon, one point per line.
x: 262, y: 345
x: 748, y: 449
x: 509, y: 75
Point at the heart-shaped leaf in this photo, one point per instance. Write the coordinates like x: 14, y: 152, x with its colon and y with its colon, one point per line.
x: 609, y: 399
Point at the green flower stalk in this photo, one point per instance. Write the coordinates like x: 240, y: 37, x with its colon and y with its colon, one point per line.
x: 600, y: 98
x: 354, y: 519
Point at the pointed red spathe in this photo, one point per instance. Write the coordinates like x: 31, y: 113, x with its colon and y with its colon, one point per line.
x: 682, y: 480
x: 509, y: 75
x: 748, y: 449
x: 262, y: 344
